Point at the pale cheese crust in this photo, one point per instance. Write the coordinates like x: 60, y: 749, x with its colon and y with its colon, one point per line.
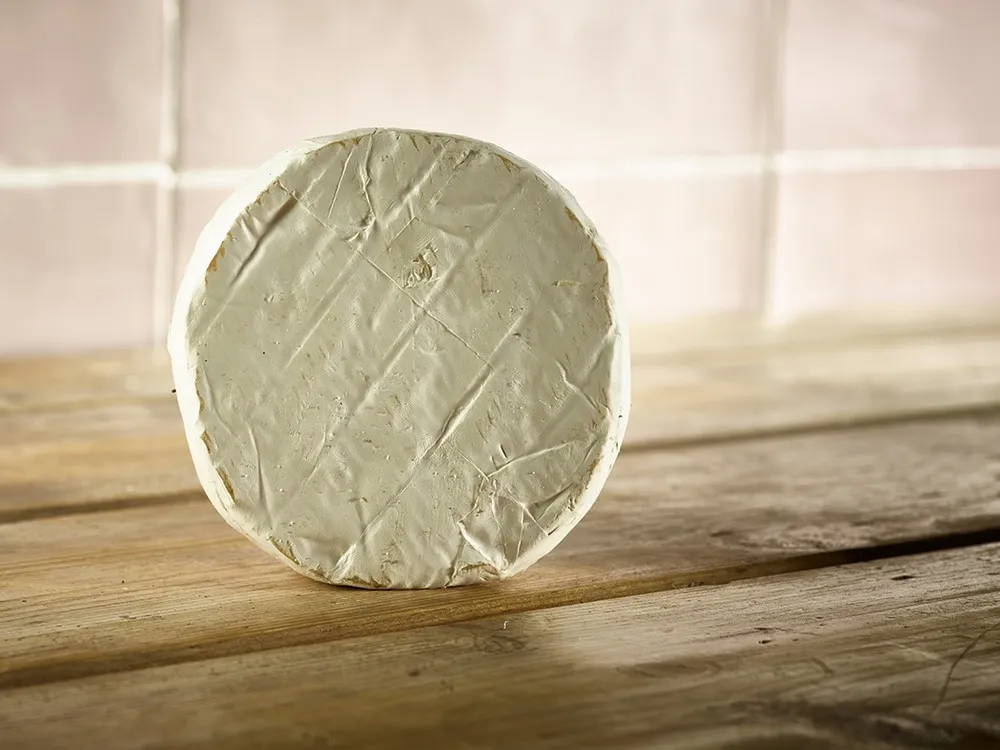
x: 401, y: 360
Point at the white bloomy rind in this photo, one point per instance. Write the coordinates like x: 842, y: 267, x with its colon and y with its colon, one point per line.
x: 401, y: 360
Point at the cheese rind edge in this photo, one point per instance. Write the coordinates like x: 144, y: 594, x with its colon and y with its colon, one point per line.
x: 201, y: 433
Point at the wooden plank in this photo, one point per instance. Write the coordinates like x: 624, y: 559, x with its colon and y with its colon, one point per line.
x: 900, y: 653
x: 67, y: 459
x: 38, y: 382
x: 111, y: 591
x: 46, y: 381
x: 752, y: 390
x: 83, y: 423
x: 91, y: 431
x: 63, y: 452
x: 656, y: 340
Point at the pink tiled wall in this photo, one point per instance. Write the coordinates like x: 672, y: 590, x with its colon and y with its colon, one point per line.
x: 762, y: 159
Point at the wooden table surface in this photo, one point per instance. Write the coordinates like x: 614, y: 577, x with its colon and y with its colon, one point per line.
x: 799, y: 547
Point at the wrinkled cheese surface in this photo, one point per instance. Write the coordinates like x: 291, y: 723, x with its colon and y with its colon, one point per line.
x: 401, y: 360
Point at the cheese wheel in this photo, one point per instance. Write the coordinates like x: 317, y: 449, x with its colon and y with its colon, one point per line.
x: 401, y: 360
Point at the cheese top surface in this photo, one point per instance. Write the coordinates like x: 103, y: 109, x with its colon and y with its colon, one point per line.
x: 401, y: 360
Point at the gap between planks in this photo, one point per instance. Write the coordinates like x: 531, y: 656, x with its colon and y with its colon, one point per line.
x: 182, y: 653
x: 845, y: 423
x: 666, y: 520
x: 554, y: 588
x: 834, y: 424
x: 888, y: 654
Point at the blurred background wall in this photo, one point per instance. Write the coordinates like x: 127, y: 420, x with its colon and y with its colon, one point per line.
x: 768, y: 161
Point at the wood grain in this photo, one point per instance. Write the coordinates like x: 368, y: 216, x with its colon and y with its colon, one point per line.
x: 118, y: 590
x: 893, y: 654
x: 46, y: 479
x: 102, y: 438
x: 130, y: 615
x: 675, y: 359
x: 754, y: 390
x: 38, y: 382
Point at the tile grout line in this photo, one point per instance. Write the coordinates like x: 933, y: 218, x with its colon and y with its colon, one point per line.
x: 123, y: 173
x: 695, y: 166
x: 904, y: 159
x: 774, y: 36
x: 753, y: 283
x: 166, y: 201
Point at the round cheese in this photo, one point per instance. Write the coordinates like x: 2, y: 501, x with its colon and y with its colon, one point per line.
x: 401, y: 360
